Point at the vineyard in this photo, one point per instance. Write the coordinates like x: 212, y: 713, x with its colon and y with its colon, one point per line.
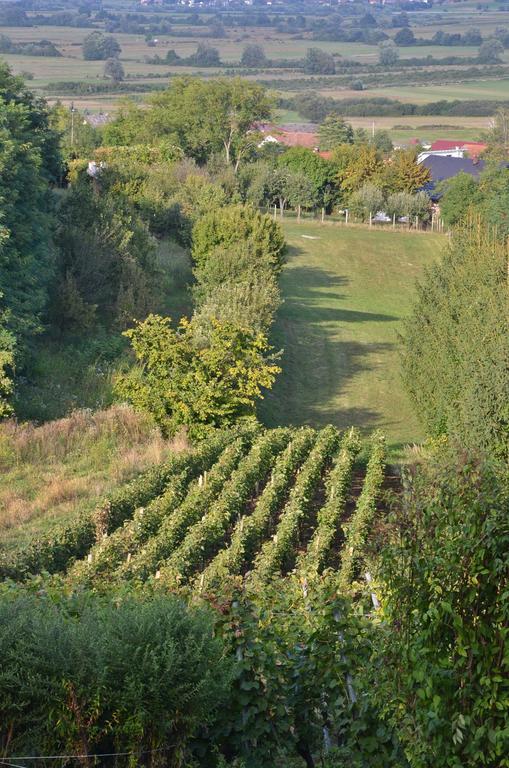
x: 256, y: 504
x: 268, y: 528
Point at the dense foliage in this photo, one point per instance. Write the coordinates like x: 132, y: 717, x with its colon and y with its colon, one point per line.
x: 85, y: 675
x: 444, y: 573
x: 183, y: 381
x: 456, y: 347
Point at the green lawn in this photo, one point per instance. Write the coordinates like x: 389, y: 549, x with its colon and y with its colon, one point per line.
x: 345, y: 293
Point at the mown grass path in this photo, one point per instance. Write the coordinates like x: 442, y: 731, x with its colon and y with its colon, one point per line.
x: 345, y: 293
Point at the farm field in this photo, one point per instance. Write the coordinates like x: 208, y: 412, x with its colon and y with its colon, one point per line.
x: 423, y: 94
x: 277, y: 46
x: 407, y: 127
x: 345, y: 292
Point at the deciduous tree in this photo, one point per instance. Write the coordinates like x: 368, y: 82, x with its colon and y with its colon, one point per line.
x: 183, y: 384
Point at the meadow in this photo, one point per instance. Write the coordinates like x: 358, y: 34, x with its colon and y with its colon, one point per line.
x: 345, y: 293
x: 53, y: 472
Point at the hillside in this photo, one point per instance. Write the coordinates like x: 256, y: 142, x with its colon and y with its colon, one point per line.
x: 345, y: 292
x: 53, y: 472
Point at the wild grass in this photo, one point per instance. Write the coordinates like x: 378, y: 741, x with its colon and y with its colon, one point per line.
x: 53, y: 471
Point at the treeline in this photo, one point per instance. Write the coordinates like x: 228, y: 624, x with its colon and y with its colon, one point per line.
x: 360, y: 80
x: 315, y: 108
x: 73, y: 87
x: 36, y: 48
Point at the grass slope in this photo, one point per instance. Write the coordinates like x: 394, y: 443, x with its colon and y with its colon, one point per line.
x: 50, y: 473
x: 345, y: 292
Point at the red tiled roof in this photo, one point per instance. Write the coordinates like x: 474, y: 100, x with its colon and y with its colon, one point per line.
x: 473, y: 148
x: 298, y: 139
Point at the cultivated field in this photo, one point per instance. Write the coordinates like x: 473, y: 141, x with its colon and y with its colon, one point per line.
x: 263, y: 503
x: 345, y: 292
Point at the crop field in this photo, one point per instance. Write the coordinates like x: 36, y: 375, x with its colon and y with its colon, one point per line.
x: 345, y: 293
x: 261, y: 503
x: 423, y: 94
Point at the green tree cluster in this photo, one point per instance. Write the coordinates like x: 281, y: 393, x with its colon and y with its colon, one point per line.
x: 204, y: 118
x: 253, y: 55
x: 319, y: 62
x: 99, y: 47
x: 334, y: 131
x: 29, y: 161
x: 106, y: 269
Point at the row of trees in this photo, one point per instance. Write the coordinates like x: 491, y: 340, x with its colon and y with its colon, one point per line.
x: 29, y: 161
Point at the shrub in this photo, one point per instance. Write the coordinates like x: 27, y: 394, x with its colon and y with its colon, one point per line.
x: 234, y: 224
x: 123, y: 676
x: 442, y: 668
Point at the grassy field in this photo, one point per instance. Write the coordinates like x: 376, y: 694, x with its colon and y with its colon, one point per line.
x: 423, y: 94
x: 52, y: 472
x: 345, y: 292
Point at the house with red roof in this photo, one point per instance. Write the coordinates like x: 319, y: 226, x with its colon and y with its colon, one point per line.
x: 292, y: 135
x: 472, y: 148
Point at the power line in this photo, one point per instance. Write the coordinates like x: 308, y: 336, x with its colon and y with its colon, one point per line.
x: 77, y: 757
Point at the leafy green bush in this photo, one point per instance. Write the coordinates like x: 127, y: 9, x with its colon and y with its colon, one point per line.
x: 83, y: 675
x: 234, y: 224
x: 442, y: 670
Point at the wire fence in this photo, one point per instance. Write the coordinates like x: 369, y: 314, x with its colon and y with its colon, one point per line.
x: 413, y: 224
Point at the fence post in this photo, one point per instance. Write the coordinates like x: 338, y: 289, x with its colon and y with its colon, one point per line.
x: 394, y: 221
x: 417, y: 222
x: 275, y: 214
x: 323, y: 215
x: 370, y: 219
x: 298, y: 213
x: 346, y: 218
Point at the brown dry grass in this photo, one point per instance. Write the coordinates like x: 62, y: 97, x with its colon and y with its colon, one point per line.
x: 52, y: 471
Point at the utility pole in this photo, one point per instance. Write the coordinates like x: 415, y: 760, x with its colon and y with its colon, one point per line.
x: 72, y: 123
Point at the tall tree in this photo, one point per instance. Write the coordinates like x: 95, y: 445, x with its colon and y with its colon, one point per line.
x: 334, y: 131
x: 29, y: 159
x: 204, y: 117
x: 319, y: 172
x: 403, y: 173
